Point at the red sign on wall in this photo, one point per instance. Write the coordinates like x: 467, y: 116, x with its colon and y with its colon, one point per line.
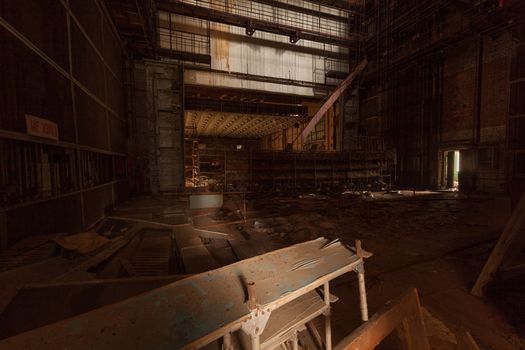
x: 41, y: 127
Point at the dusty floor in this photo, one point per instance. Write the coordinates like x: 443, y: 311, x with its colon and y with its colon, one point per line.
x: 436, y: 242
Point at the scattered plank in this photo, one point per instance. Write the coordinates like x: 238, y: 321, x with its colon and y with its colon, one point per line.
x: 332, y: 98
x: 510, y: 242
x: 404, y: 314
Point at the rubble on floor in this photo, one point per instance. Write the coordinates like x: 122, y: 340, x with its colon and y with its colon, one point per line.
x: 434, y: 241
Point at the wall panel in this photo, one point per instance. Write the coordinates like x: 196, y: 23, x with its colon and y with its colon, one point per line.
x: 42, y: 181
x: 91, y: 116
x: 42, y: 22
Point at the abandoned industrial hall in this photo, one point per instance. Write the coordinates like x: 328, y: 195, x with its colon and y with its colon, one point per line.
x: 258, y: 175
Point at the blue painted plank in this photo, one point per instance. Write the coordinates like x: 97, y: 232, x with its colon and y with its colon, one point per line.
x: 177, y: 314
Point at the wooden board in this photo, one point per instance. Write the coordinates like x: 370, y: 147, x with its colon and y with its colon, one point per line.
x: 511, y: 242
x: 291, y: 316
x: 198, y: 309
x: 197, y: 259
x: 403, y: 314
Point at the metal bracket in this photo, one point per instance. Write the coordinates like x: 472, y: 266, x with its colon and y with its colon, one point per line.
x: 255, y: 324
x: 327, y: 312
x: 360, y: 268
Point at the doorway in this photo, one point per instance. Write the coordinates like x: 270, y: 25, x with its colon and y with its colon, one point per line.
x: 452, y: 169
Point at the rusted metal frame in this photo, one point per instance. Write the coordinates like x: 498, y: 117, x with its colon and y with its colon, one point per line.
x: 403, y: 314
x: 333, y: 98
x: 186, y: 9
x: 263, y: 78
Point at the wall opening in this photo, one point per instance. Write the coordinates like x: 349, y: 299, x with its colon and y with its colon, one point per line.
x: 452, y: 168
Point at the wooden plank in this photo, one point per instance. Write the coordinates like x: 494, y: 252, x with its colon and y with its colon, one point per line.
x: 404, y: 313
x: 291, y: 316
x: 197, y: 259
x: 510, y: 240
x: 41, y: 304
x: 199, y: 309
x: 466, y: 341
x: 3, y: 230
x: 509, y: 272
x: 332, y: 98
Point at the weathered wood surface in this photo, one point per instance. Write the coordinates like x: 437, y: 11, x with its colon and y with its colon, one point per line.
x: 510, y: 243
x: 403, y: 314
x: 200, y: 307
x: 291, y: 316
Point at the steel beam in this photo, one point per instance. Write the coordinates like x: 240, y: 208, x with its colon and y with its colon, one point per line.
x: 244, y: 107
x: 332, y: 98
x: 240, y: 94
x: 262, y: 78
x: 185, y: 9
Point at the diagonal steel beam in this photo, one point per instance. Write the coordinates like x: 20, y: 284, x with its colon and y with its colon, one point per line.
x: 332, y: 98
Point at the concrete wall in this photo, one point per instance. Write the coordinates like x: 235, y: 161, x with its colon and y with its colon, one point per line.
x: 158, y: 127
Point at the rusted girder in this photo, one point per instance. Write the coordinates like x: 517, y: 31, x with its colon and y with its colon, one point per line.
x: 332, y: 98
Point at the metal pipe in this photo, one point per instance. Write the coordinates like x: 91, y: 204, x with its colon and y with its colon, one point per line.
x: 227, y: 342
x: 327, y: 320
x: 362, y: 293
x: 256, y: 344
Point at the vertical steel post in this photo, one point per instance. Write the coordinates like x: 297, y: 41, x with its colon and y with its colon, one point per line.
x: 362, y: 292
x: 327, y: 320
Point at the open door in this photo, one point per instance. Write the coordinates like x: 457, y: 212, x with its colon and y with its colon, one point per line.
x: 452, y: 167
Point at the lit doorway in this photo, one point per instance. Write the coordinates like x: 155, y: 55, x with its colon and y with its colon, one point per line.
x: 452, y: 169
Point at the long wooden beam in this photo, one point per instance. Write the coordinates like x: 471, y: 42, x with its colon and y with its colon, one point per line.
x: 403, y: 314
x: 329, y: 102
x: 510, y: 242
